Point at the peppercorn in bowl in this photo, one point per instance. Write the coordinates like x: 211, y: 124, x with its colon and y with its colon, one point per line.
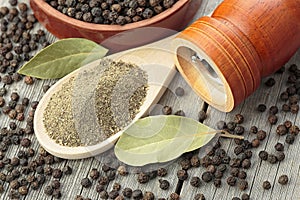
x: 138, y: 21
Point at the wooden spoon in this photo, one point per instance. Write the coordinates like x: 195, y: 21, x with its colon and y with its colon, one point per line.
x: 156, y: 59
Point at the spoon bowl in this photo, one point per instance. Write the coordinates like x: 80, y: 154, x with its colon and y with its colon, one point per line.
x: 155, y: 59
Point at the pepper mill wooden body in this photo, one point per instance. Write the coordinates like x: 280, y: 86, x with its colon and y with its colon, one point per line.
x: 224, y: 57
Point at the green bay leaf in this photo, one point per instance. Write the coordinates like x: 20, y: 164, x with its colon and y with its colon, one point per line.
x: 161, y: 138
x: 62, y: 57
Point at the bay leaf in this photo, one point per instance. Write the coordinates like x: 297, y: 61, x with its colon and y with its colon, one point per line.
x: 169, y: 136
x: 62, y: 57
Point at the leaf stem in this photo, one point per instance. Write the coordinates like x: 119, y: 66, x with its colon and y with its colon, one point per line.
x: 226, y: 134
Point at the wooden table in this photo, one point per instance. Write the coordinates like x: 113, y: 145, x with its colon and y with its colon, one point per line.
x: 191, y: 104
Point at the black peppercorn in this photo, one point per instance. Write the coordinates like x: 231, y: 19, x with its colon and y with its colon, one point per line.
x: 67, y: 170
x: 182, y: 175
x: 261, y: 135
x: 103, y: 180
x: 162, y: 172
x: 56, y: 193
x: 239, y: 118
x: 279, y: 146
x: 239, y: 130
x: 174, y: 196
x: 234, y: 171
x: 202, y: 116
x: 23, y: 190
x: 266, y: 185
x: 164, y: 184
x: 217, y: 182
x: 195, y: 181
x: 280, y: 156
x: 127, y: 192
x: 235, y: 162
x: 143, y: 177
x: 211, y: 169
x: 86, y: 183
x: 195, y: 161
x: 221, y: 125
x: 285, y: 108
x: 270, y: 82
x: 167, y: 110
x: 137, y: 194
x: 242, y: 184
x: 238, y: 149
x: 273, y: 110
x: 57, y: 173
x: 231, y: 126
x: 261, y: 107
x: 272, y: 159
x: 283, y: 179
x: 281, y: 129
x: 231, y: 181
x: 94, y: 174
x: 255, y: 143
x: 272, y: 119
x: 245, y: 196
x: 290, y: 139
x: 113, y: 194
x: 179, y: 113
x: 207, y: 177
x: 103, y: 194
x: 242, y: 174
x: 199, y: 196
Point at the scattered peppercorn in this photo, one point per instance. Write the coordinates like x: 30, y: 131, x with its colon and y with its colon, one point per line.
x: 272, y: 159
x: 127, y: 192
x: 174, y: 196
x: 179, y: 91
x: 290, y: 139
x: 261, y: 107
x: 261, y: 135
x: 195, y: 181
x: 143, y: 177
x: 86, y: 183
x: 239, y: 118
x: 167, y: 110
x: 207, y: 177
x: 231, y: 181
x: 270, y: 82
x: 273, y: 119
x: 199, y: 196
x: 266, y: 185
x: 182, y: 174
x: 242, y: 184
x: 283, y: 179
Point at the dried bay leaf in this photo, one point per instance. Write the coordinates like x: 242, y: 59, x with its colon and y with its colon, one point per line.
x: 168, y: 138
x: 62, y: 57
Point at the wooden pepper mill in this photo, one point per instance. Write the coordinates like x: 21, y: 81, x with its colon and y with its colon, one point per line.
x: 225, y: 56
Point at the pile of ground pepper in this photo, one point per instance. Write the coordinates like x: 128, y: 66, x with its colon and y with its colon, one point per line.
x: 119, y: 94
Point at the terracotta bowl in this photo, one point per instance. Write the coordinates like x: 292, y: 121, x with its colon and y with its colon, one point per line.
x: 130, y: 35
